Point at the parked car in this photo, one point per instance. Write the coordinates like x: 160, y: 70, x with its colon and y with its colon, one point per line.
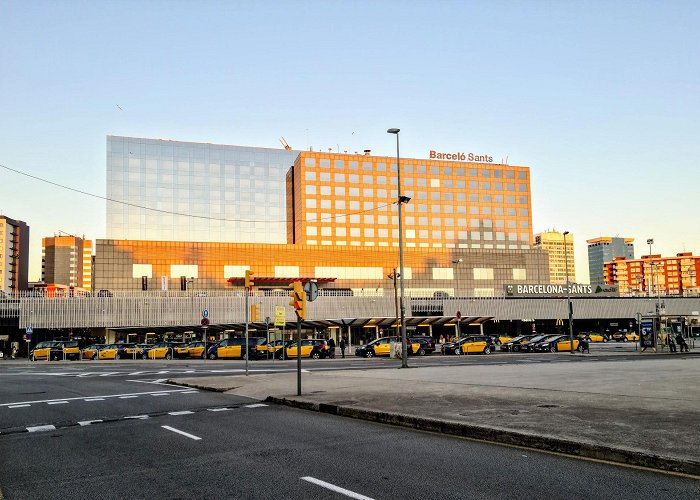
x: 55, y: 350
x: 529, y: 345
x: 274, y: 347
x: 310, y: 348
x: 560, y: 343
x: 513, y: 345
x: 625, y: 336
x: 236, y: 348
x: 427, y: 344
x: 472, y: 344
x: 161, y: 350
x: 591, y: 336
x: 382, y: 347
x: 192, y: 350
x: 90, y: 352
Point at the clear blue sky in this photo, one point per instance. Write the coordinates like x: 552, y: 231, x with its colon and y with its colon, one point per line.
x: 601, y: 99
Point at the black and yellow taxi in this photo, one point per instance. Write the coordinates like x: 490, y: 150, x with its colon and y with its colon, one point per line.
x: 119, y: 350
x: 236, y: 348
x: 591, y: 337
x: 556, y: 343
x: 513, y: 345
x: 625, y: 336
x: 473, y: 344
x: 274, y: 347
x: 382, y: 347
x: 310, y: 348
x: 55, y: 351
x: 529, y: 346
x: 161, y: 350
x: 90, y: 352
x: 193, y: 350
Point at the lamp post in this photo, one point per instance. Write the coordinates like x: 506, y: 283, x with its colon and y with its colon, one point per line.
x: 568, y: 295
x: 392, y: 276
x: 401, y: 200
x: 650, y: 242
x: 458, y: 261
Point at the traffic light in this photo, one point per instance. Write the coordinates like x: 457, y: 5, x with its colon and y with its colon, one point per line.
x: 254, y: 313
x: 183, y: 283
x: 249, y: 279
x: 298, y: 301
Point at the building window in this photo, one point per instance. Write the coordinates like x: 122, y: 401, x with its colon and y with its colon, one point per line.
x: 483, y: 273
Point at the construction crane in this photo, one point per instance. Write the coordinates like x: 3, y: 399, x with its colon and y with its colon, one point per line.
x: 284, y: 143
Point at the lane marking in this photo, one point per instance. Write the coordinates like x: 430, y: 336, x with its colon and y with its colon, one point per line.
x: 18, y: 406
x: 190, y: 392
x: 172, y: 429
x: 41, y: 428
x: 15, y: 404
x: 127, y: 397
x: 335, y: 488
x: 183, y: 412
x: 109, y: 373
x: 94, y: 399
x: 137, y: 373
x: 58, y: 402
x: 159, y: 394
x: 89, y: 422
x: 218, y: 409
x: 137, y: 417
x: 256, y: 405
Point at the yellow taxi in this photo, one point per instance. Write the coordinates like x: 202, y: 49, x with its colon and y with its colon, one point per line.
x: 502, y: 339
x: 161, y: 350
x: 631, y: 337
x: 558, y: 343
x: 591, y: 337
x: 235, y: 348
x: 275, y: 347
x: 55, y: 351
x: 193, y: 349
x: 310, y: 348
x: 90, y: 352
x: 382, y: 347
x: 119, y: 350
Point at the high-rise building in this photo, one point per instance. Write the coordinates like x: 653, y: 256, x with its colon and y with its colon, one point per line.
x: 605, y: 249
x: 14, y: 255
x: 560, y: 248
x: 350, y: 200
x: 467, y: 228
x: 67, y: 260
x: 195, y: 192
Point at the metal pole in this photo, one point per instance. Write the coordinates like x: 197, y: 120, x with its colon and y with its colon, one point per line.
x: 298, y: 356
x: 247, y: 312
x: 404, y: 344
x: 396, y: 302
x: 568, y: 295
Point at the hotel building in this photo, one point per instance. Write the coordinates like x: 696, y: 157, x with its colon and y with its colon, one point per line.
x: 655, y: 275
x: 467, y: 228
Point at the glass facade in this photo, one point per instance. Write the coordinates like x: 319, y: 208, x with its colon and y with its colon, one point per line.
x: 606, y: 249
x: 228, y: 193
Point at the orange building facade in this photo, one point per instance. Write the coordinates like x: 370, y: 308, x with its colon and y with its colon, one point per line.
x: 655, y: 275
x: 350, y: 200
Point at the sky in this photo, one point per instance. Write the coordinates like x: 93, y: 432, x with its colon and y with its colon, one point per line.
x: 600, y: 99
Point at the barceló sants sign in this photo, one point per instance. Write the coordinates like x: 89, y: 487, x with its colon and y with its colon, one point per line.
x: 436, y: 155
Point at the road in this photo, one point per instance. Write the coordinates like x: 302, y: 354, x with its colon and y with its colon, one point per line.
x: 117, y: 430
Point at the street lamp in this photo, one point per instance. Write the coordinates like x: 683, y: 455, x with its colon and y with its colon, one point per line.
x: 458, y: 261
x: 568, y: 294
x: 650, y: 242
x: 392, y: 276
x: 400, y: 201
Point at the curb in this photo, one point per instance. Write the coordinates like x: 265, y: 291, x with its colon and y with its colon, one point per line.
x: 538, y: 442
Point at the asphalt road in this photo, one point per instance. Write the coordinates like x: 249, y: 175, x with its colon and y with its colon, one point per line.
x: 116, y: 430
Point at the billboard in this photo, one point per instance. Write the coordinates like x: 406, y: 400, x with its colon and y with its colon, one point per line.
x: 560, y: 290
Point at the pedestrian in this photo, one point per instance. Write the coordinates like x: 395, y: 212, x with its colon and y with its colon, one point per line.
x: 681, y: 342
x: 442, y: 339
x: 671, y: 343
x: 331, y: 344
x: 342, y: 347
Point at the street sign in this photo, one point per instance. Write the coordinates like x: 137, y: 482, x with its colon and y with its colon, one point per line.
x: 205, y: 313
x: 29, y: 330
x: 280, y: 319
x: 205, y: 322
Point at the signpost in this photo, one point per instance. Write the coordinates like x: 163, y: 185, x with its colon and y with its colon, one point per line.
x: 205, y: 325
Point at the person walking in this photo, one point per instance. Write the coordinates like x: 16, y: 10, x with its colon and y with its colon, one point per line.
x: 342, y: 347
x: 331, y: 344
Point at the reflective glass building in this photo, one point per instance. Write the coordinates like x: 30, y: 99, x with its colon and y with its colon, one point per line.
x: 231, y: 193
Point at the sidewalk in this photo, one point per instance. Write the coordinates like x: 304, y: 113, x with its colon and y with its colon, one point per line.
x: 645, y: 414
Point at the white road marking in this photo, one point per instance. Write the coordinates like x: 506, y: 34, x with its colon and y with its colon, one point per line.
x: 191, y: 436
x: 184, y: 412
x: 58, y: 402
x: 335, y: 488
x: 190, y: 392
x: 136, y: 373
x: 160, y: 394
x: 109, y: 373
x: 256, y: 405
x: 89, y: 422
x: 17, y: 406
x: 189, y: 371
x: 162, y: 372
x: 95, y: 398
x: 127, y: 397
x: 42, y: 428
x: 218, y: 409
x: 137, y: 417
